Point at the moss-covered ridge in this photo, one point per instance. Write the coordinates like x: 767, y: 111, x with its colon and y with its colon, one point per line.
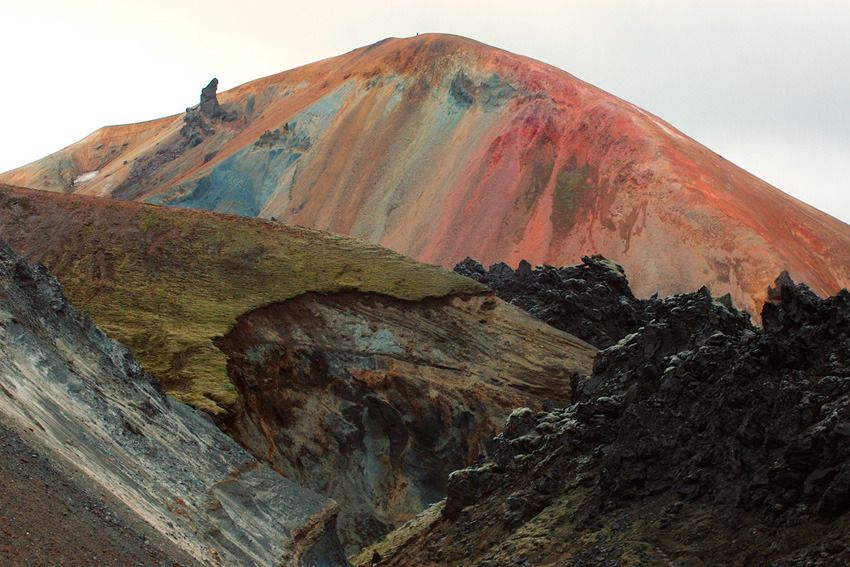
x: 166, y: 282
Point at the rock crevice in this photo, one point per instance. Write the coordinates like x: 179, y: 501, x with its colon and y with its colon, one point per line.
x: 373, y: 401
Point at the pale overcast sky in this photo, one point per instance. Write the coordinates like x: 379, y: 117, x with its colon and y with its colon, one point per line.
x: 764, y: 83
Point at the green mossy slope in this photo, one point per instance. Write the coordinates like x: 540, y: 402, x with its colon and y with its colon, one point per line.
x: 166, y: 282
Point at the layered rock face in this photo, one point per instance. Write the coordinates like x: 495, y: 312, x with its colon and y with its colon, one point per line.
x: 374, y: 401
x: 697, y: 440
x: 440, y: 147
x: 93, y: 419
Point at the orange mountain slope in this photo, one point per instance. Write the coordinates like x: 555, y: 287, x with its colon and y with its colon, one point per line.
x: 440, y: 147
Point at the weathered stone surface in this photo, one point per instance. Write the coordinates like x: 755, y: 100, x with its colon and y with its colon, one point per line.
x: 373, y: 401
x: 199, y: 123
x: 79, y: 398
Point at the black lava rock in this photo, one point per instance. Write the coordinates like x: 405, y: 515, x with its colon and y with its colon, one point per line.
x: 694, y: 409
x: 592, y: 301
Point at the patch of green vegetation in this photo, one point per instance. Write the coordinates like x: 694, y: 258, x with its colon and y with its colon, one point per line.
x: 572, y: 184
x: 541, y: 171
x: 166, y: 282
x: 400, y: 536
x: 462, y: 90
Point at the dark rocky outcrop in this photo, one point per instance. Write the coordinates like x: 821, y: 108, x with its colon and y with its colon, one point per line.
x: 195, y: 128
x: 199, y: 122
x: 209, y: 106
x: 94, y: 420
x: 592, y: 300
x: 698, y: 439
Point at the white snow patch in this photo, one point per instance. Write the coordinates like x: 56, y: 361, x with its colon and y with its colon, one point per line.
x: 666, y: 129
x: 87, y: 176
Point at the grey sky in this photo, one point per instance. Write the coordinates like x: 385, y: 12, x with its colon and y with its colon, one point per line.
x: 764, y: 83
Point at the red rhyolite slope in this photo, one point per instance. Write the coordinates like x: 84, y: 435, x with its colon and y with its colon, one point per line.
x: 440, y: 147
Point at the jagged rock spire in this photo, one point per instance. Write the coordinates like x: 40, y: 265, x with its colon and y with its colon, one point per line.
x: 209, y: 101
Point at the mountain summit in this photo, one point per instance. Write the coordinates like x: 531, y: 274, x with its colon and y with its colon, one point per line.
x: 441, y: 147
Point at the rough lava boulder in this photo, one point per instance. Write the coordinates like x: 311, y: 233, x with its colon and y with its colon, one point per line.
x: 591, y: 300
x: 209, y: 105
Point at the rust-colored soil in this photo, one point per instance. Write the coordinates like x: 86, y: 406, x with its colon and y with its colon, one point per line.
x: 440, y: 147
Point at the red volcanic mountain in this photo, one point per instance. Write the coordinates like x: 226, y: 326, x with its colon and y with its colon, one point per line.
x: 440, y: 147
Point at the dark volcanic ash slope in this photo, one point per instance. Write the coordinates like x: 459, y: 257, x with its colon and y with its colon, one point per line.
x: 72, y: 395
x: 698, y: 440
x: 47, y: 517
